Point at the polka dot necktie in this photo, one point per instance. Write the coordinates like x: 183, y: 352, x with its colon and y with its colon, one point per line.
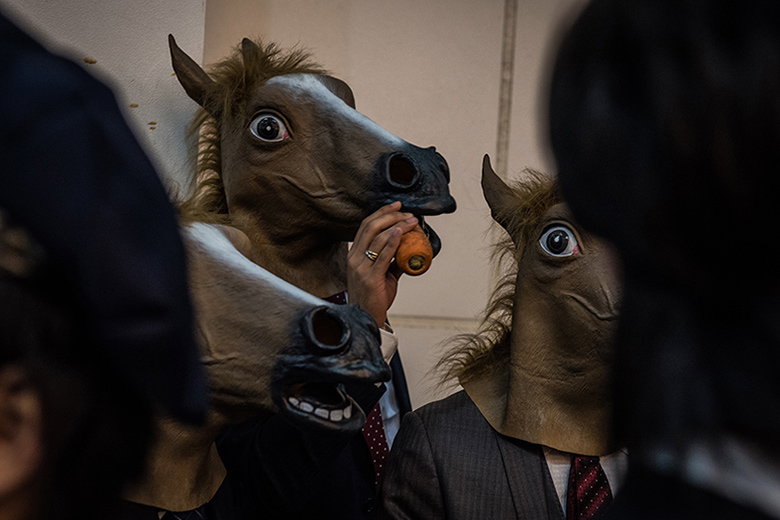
x: 374, y: 433
x: 373, y: 430
x: 588, y: 494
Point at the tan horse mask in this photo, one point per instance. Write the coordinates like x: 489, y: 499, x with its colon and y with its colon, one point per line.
x: 269, y: 346
x: 298, y: 167
x: 555, y: 387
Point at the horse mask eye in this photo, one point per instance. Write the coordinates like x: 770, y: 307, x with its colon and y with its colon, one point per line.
x: 559, y: 241
x: 269, y: 128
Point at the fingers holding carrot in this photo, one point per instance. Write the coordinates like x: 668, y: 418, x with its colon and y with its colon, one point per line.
x: 372, y: 277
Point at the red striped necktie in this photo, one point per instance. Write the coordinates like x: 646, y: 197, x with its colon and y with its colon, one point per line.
x: 588, y: 494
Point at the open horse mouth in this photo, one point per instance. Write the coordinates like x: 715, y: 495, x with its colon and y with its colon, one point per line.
x: 310, y: 380
x: 323, y: 402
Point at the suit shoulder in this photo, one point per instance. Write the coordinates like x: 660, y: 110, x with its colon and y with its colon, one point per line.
x: 451, y: 414
x: 457, y: 402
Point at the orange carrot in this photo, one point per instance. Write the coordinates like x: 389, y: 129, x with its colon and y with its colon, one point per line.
x: 414, y: 254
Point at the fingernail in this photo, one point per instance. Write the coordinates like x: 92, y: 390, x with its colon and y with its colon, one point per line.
x: 410, y: 220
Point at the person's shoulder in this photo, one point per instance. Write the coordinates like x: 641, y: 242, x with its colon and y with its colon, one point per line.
x: 453, y: 409
x: 457, y: 400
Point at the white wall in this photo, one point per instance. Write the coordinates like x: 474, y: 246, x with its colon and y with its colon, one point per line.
x: 128, y: 38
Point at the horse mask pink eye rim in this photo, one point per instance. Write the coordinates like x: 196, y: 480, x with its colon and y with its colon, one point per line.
x: 269, y: 127
x: 558, y: 240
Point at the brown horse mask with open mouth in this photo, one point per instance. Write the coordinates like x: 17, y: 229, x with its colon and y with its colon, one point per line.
x: 295, y: 166
x: 540, y: 370
x: 294, y: 357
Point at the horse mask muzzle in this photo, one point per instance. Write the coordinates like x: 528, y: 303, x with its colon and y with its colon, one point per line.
x: 418, y: 178
x: 332, y: 352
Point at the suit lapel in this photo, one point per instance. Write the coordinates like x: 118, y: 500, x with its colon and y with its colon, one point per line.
x: 399, y: 384
x: 530, y: 484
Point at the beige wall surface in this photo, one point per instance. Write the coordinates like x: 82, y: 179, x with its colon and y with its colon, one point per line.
x: 428, y: 71
x: 128, y: 40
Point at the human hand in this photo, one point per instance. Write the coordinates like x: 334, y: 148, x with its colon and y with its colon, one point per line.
x: 372, y: 284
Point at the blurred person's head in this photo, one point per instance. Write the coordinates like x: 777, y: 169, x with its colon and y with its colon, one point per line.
x: 73, y: 430
x: 96, y: 323
x: 665, y: 125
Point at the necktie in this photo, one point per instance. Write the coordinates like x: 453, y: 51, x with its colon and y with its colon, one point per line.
x: 373, y: 430
x: 374, y: 433
x: 588, y: 494
x: 195, y: 514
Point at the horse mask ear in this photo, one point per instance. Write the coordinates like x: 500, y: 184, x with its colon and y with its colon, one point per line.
x: 248, y: 51
x: 500, y: 197
x: 191, y: 76
x: 339, y: 88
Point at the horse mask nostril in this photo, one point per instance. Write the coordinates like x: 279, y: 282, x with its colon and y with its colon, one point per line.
x: 401, y: 172
x: 328, y: 332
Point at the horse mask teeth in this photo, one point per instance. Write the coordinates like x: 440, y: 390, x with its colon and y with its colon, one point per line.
x: 324, y: 400
x: 318, y: 393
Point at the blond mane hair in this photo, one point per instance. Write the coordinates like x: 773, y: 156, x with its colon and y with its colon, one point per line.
x: 473, y: 356
x: 235, y: 78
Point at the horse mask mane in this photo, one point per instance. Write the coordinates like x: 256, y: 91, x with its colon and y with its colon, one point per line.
x: 539, y: 368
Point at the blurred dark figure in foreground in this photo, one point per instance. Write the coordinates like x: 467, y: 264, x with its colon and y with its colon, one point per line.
x: 665, y: 125
x: 96, y: 324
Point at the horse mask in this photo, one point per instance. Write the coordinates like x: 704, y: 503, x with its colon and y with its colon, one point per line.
x: 555, y: 389
x: 269, y: 346
x: 294, y: 164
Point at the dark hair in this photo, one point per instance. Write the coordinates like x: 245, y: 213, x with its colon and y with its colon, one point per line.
x: 665, y: 125
x: 95, y: 430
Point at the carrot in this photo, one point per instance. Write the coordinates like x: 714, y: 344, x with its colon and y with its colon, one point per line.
x: 414, y: 254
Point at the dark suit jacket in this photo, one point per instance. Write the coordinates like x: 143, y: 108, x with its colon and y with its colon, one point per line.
x: 276, y: 471
x: 448, y: 462
x: 347, y: 491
